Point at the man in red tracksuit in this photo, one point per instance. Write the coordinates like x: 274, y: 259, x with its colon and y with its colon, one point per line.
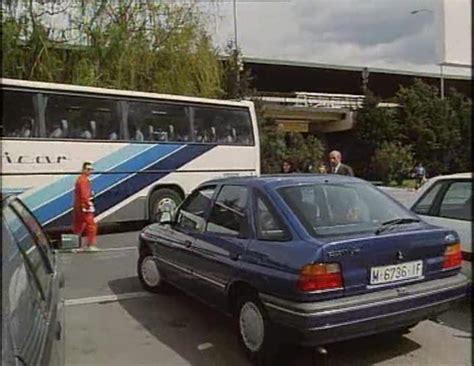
x: 83, y: 213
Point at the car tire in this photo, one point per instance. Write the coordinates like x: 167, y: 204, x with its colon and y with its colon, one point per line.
x: 254, y: 330
x: 149, y: 275
x: 162, y: 197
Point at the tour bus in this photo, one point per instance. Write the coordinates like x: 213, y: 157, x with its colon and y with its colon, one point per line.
x: 148, y: 150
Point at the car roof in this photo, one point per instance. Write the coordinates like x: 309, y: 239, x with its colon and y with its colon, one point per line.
x: 277, y: 180
x: 454, y: 176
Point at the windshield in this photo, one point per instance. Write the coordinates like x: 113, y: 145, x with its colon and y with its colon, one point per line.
x: 335, y: 209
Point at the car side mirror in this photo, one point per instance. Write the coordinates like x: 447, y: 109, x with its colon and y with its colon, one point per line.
x: 166, y: 218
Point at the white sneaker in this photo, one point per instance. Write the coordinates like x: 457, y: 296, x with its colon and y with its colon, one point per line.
x: 93, y: 248
x: 79, y: 250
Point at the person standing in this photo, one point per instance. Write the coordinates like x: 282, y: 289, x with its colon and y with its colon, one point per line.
x: 287, y: 167
x: 322, y: 168
x: 420, y: 175
x: 83, y: 212
x: 337, y: 167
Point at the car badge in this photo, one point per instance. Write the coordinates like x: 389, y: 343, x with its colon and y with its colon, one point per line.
x: 450, y: 238
x: 400, y: 255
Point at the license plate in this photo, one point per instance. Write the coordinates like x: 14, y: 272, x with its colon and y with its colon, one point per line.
x: 396, y: 272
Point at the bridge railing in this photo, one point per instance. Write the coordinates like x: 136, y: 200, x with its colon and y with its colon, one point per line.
x: 319, y: 100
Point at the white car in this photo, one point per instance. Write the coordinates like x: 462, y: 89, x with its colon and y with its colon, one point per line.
x: 447, y: 201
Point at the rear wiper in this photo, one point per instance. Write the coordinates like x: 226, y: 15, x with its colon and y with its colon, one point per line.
x: 391, y: 223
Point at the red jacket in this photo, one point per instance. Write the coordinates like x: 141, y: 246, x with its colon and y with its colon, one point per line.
x: 82, y: 201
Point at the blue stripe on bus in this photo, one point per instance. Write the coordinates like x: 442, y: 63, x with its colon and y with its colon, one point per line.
x: 137, y: 182
x: 53, y: 190
x: 102, y: 182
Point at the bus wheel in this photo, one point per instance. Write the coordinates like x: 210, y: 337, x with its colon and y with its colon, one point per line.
x: 161, y: 200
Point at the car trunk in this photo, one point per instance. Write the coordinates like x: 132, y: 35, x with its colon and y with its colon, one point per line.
x: 413, y: 256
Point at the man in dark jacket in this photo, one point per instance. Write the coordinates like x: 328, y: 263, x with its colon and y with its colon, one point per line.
x: 337, y: 167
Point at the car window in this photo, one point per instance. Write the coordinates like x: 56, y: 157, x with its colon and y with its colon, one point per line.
x: 423, y: 206
x: 337, y: 209
x: 29, y: 249
x: 191, y: 213
x: 22, y: 307
x: 35, y: 230
x: 457, y: 201
x: 228, y: 216
x: 268, y: 225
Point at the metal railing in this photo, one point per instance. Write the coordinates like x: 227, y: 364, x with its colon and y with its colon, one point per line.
x: 319, y: 100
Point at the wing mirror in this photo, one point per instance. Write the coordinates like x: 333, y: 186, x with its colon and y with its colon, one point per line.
x: 166, y: 215
x: 166, y: 218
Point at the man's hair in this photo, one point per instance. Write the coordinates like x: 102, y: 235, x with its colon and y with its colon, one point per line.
x: 336, y: 152
x: 86, y: 164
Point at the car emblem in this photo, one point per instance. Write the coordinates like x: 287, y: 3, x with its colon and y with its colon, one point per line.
x: 450, y: 238
x: 400, y: 255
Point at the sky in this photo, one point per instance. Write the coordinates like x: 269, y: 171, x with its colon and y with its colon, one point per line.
x: 370, y: 33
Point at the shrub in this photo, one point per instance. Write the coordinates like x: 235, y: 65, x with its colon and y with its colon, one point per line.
x: 393, y: 162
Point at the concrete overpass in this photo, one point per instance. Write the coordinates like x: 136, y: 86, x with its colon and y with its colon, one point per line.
x: 312, y: 98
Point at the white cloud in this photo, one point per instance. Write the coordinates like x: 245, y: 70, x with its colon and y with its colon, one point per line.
x: 373, y: 33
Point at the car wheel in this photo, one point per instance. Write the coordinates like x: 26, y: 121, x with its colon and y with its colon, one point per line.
x: 254, y: 330
x: 164, y: 199
x: 149, y: 274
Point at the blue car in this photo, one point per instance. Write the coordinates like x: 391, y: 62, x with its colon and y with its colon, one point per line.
x: 309, y: 259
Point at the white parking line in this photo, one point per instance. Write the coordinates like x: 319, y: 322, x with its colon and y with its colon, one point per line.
x: 100, y: 251
x: 118, y: 249
x: 106, y: 298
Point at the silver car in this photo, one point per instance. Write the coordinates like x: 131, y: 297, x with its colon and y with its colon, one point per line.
x: 32, y: 306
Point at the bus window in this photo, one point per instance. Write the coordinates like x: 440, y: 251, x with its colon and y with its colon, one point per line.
x: 158, y: 122
x: 18, y: 114
x: 222, y: 126
x: 81, y: 118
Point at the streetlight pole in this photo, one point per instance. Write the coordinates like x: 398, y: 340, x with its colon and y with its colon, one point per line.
x: 235, y: 23
x: 441, y: 81
x: 441, y: 75
x: 236, y: 47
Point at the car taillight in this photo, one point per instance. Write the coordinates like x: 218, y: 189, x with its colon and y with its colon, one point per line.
x: 452, y: 256
x: 320, y: 276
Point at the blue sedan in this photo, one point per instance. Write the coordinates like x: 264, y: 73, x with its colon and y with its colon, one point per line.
x: 309, y: 259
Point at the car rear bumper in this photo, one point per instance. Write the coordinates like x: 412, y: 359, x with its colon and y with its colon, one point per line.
x: 354, y: 316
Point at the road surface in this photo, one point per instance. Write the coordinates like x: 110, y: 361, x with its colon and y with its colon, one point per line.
x: 110, y: 320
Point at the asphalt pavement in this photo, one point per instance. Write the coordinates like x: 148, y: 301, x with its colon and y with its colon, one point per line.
x: 110, y: 320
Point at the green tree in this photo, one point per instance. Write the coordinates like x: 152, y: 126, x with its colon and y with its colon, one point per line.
x: 393, y: 161
x: 439, y: 130
x: 236, y: 80
x: 426, y: 122
x: 276, y: 146
x: 374, y: 126
x: 158, y: 46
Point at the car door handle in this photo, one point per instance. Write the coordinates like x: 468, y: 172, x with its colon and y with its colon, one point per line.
x: 235, y: 256
x: 188, y: 243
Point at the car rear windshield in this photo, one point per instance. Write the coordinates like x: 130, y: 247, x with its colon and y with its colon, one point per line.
x: 328, y: 209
